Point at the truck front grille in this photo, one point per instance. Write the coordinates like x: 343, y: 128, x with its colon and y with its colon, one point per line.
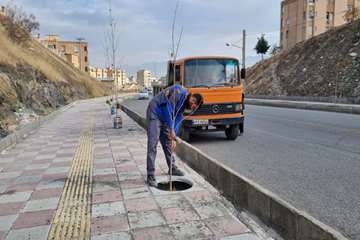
x: 222, y: 108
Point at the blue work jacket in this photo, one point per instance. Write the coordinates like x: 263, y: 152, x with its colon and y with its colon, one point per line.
x: 169, y: 106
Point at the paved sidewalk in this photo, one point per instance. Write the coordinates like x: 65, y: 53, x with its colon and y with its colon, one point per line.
x: 77, y: 178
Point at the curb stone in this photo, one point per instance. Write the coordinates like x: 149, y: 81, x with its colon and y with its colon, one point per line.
x: 23, y: 132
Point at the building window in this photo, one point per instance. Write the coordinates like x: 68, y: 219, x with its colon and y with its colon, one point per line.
x: 85, y: 48
x: 86, y: 69
x: 287, y: 22
x: 86, y: 58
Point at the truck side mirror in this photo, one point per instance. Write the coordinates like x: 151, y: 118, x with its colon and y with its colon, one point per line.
x: 243, y: 73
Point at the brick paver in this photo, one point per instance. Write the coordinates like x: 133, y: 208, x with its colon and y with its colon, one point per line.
x: 33, y: 174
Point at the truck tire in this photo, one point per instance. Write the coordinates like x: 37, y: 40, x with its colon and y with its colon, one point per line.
x: 232, y: 132
x: 185, y: 134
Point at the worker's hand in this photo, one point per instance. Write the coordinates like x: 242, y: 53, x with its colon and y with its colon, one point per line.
x: 172, y: 135
x: 173, y: 146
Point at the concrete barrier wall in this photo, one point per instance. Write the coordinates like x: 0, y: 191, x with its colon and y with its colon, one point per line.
x: 328, y: 107
x: 135, y: 116
x: 24, y: 131
x: 288, y: 221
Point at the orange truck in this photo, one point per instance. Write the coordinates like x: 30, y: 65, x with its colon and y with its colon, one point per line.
x: 218, y: 80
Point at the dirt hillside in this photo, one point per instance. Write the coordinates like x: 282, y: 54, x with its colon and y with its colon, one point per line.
x: 34, y: 81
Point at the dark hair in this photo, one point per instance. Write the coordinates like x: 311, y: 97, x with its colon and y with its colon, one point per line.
x: 199, y: 98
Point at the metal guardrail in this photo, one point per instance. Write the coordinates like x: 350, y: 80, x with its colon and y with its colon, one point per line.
x: 318, y: 106
x: 330, y: 99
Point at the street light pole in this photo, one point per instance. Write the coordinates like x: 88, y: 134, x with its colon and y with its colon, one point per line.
x: 243, y: 52
x: 243, y: 48
x: 243, y: 68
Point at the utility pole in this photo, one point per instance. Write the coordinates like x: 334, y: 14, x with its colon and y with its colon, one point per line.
x: 244, y: 53
x: 312, y: 16
x: 80, y: 39
x: 313, y: 27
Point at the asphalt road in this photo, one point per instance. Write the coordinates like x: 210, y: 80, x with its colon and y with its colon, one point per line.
x: 309, y: 158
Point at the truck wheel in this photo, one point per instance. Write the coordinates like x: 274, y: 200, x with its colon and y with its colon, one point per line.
x: 241, y: 128
x: 232, y: 132
x: 185, y: 134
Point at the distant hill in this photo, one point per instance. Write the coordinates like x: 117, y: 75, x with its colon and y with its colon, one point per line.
x: 34, y: 81
x: 326, y: 65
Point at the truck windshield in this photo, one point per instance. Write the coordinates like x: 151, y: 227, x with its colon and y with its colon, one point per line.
x: 211, y: 72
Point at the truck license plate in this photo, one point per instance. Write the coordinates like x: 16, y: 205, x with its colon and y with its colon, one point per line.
x: 200, y: 122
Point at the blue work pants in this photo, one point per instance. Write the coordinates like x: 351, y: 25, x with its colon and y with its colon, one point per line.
x: 157, y: 131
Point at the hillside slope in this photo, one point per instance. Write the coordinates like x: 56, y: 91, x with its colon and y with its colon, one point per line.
x: 34, y: 81
x: 326, y: 65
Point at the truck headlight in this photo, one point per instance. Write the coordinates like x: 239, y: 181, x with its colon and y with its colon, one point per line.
x: 237, y: 107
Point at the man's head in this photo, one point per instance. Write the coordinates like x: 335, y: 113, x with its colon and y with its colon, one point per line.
x: 193, y: 101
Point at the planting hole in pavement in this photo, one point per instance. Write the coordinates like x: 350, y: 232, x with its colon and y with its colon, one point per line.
x: 177, y: 185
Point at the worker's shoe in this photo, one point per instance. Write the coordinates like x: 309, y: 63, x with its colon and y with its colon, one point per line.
x: 151, y: 181
x: 176, y: 172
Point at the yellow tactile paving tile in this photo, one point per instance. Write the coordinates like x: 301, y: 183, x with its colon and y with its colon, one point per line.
x: 72, y: 218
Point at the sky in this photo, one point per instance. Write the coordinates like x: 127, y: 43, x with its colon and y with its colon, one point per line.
x: 144, y: 27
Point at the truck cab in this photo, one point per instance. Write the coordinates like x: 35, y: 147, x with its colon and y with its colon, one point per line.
x: 218, y: 80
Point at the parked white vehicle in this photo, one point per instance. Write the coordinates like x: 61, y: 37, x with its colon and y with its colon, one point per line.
x: 143, y: 94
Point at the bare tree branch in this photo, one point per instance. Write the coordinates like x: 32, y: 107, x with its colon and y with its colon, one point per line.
x: 178, y: 43
x: 173, y: 28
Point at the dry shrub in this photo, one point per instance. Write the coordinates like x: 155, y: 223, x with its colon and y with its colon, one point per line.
x: 19, y: 25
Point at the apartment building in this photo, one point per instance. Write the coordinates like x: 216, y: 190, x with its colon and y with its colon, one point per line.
x: 101, y: 74
x: 143, y: 78
x: 122, y: 77
x: 303, y: 19
x: 74, y: 52
x: 106, y: 74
